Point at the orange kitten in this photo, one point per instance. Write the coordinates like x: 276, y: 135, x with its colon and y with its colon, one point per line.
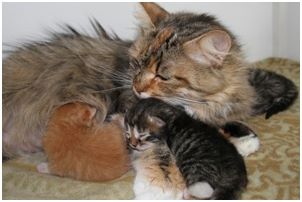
x: 79, y: 147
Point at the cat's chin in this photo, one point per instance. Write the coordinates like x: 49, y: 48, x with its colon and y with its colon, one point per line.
x: 144, y: 95
x: 141, y: 95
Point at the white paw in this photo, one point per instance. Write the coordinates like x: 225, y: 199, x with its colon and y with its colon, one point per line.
x: 201, y: 190
x: 246, y: 145
x: 43, y: 168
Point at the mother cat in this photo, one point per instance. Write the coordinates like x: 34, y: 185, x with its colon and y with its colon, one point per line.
x: 183, y: 58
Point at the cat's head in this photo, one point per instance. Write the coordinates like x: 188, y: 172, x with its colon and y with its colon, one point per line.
x: 182, y: 58
x: 77, y: 113
x: 143, y: 134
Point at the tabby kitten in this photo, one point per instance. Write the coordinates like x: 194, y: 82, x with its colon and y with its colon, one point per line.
x: 80, y: 147
x: 183, y: 58
x: 211, y: 166
x: 157, y: 176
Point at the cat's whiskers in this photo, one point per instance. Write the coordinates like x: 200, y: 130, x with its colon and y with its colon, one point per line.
x: 190, y: 100
x: 113, y: 89
x: 181, y: 100
x: 116, y: 74
x: 126, y: 79
x: 129, y: 82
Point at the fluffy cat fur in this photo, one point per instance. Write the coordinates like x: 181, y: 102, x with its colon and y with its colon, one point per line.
x: 156, y: 173
x: 183, y: 58
x: 275, y: 93
x: 80, y: 147
x: 210, y: 165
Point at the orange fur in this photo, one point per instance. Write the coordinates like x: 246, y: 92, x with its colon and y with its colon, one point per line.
x: 79, y: 147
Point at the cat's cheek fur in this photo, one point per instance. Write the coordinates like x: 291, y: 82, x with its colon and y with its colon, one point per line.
x: 246, y: 145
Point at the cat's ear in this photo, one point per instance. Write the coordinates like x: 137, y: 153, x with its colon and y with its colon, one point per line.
x: 210, y: 48
x: 155, y: 13
x: 155, y: 122
x: 88, y: 116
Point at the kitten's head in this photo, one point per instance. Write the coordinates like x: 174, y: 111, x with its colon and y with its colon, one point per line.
x: 77, y: 113
x: 144, y: 133
x: 182, y: 58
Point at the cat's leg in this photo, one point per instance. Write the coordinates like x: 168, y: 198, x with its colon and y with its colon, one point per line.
x: 244, y: 139
x: 43, y: 168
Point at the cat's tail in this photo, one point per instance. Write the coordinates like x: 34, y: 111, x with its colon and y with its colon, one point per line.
x: 275, y: 93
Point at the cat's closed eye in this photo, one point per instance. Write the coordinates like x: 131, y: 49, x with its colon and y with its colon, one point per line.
x: 163, y: 73
x: 161, y: 77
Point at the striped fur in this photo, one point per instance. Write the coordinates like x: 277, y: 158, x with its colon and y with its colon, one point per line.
x: 209, y: 163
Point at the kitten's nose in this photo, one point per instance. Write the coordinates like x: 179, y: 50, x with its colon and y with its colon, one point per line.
x: 133, y: 142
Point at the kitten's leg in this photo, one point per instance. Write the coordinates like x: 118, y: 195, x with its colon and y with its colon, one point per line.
x: 244, y: 139
x: 43, y: 168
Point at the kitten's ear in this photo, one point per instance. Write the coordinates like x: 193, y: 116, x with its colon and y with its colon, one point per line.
x: 155, y: 122
x: 155, y: 13
x: 88, y: 116
x: 210, y: 48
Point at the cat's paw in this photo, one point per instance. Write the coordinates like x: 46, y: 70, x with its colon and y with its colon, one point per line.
x: 199, y: 190
x: 246, y: 145
x: 43, y: 168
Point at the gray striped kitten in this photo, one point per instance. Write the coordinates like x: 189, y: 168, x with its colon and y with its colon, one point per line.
x: 210, y: 165
x: 183, y: 58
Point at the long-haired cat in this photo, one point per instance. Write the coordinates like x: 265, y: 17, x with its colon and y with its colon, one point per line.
x: 79, y: 146
x: 210, y: 165
x: 183, y: 58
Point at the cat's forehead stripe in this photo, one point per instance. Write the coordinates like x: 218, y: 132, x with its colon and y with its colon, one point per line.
x: 161, y: 38
x: 152, y: 54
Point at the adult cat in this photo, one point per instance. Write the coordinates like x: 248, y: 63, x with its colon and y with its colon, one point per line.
x: 183, y: 58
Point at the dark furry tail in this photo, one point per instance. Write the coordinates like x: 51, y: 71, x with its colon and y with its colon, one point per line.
x: 275, y: 93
